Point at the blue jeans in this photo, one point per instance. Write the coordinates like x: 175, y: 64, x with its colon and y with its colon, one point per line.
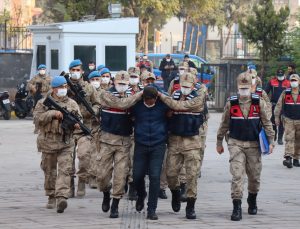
x: 148, y: 159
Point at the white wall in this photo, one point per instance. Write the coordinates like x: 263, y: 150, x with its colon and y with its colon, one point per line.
x: 174, y: 26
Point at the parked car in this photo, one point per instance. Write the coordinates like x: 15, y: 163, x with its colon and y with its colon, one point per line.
x: 207, y: 75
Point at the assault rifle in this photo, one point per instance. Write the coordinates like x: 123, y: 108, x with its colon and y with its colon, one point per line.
x: 68, y: 122
x: 38, y: 93
x: 69, y: 118
x: 79, y: 94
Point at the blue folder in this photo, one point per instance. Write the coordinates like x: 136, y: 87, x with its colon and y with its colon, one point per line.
x: 263, y: 142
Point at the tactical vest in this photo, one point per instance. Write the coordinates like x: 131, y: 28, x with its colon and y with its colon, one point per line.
x: 116, y: 121
x: 277, y: 89
x: 242, y: 128
x: 185, y: 123
x: 176, y: 84
x: 291, y: 109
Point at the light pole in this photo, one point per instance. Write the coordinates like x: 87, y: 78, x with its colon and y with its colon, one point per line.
x: 171, y: 42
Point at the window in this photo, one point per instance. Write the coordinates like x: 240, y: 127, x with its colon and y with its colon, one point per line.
x: 85, y: 54
x: 54, y: 59
x: 116, y: 58
x: 41, y: 55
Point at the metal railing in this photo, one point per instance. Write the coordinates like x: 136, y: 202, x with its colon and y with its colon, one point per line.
x: 15, y: 39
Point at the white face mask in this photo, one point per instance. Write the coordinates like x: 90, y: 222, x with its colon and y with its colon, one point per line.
x: 244, y: 92
x: 91, y: 67
x: 134, y: 81
x: 42, y: 72
x: 181, y: 72
x: 76, y: 75
x: 253, y: 81
x: 149, y: 106
x: 294, y: 84
x: 96, y: 84
x: 168, y: 60
x: 280, y: 78
x: 186, y: 91
x: 105, y: 80
x: 61, y: 92
x: 121, y: 88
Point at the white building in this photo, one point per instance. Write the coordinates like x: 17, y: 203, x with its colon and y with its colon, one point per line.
x: 106, y: 41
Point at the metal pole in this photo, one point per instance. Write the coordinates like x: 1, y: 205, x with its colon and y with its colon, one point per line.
x: 5, y: 34
x: 171, y: 51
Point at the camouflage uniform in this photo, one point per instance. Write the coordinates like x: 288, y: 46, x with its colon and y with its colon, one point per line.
x: 292, y: 124
x: 245, y: 156
x: 184, y: 150
x: 115, y: 149
x: 56, y: 154
x: 44, y: 80
x: 84, y: 146
x: 184, y: 143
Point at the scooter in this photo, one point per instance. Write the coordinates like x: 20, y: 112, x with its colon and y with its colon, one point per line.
x: 23, y: 103
x: 5, y: 109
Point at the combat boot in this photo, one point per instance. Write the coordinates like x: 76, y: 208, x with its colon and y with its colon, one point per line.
x: 237, y: 210
x: 114, y: 213
x: 62, y: 204
x: 190, y: 208
x: 106, y: 201
x: 288, y: 162
x: 176, y: 200
x: 132, y: 192
x: 51, y: 202
x: 252, y: 208
x: 81, y: 188
x: 183, y: 192
x: 162, y: 194
x: 93, y: 183
x: 296, y: 163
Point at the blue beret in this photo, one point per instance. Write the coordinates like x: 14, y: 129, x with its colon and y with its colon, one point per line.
x: 75, y: 63
x: 58, y: 81
x: 100, y: 67
x: 252, y: 66
x: 104, y: 70
x: 41, y: 66
x: 94, y: 74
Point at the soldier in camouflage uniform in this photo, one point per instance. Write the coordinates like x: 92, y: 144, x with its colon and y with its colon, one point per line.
x: 83, y: 142
x: 41, y: 82
x: 95, y: 80
x: 105, y: 83
x: 56, y: 153
x: 257, y: 89
x: 289, y: 106
x: 242, y: 118
x: 114, y: 155
x: 135, y: 86
x: 184, y: 144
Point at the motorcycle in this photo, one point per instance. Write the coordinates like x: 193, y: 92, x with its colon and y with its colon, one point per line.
x: 23, y: 103
x: 5, y: 109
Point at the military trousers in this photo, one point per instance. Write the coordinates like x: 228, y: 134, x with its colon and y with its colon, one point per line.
x: 292, y: 138
x: 178, y: 159
x: 244, y: 161
x: 113, y: 162
x: 84, y: 147
x: 57, y: 167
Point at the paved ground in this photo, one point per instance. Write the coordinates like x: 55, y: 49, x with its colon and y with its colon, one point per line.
x: 22, y: 200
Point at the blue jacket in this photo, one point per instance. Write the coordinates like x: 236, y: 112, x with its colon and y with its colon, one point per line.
x: 150, y: 124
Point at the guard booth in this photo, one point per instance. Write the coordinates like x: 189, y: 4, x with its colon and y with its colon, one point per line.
x: 105, y: 41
